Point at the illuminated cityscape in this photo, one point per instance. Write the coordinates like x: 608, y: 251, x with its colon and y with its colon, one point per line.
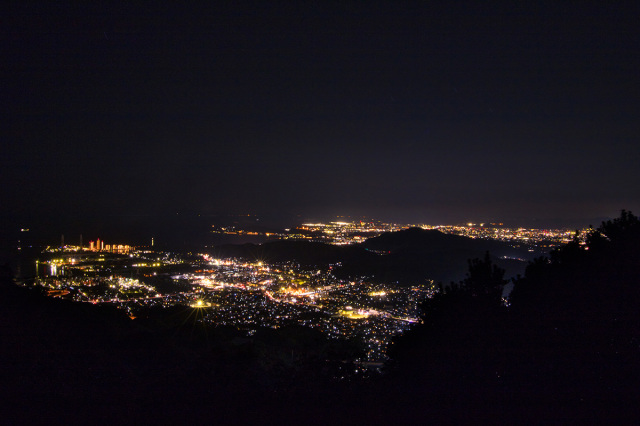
x: 246, y: 295
x: 320, y: 212
x: 249, y: 295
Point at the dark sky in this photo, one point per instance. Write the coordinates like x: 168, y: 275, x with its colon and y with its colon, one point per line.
x: 405, y: 111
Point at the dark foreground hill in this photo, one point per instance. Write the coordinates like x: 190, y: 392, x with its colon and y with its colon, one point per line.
x: 64, y: 362
x: 408, y: 257
x: 68, y: 363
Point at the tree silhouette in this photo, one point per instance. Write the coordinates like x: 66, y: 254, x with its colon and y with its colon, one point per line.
x: 567, y: 347
x: 577, y: 318
x: 484, y: 279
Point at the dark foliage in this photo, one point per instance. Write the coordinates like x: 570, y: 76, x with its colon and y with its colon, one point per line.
x: 567, y: 349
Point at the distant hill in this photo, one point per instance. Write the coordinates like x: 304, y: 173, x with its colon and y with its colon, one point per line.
x: 414, y: 254
x: 435, y: 241
x: 409, y: 256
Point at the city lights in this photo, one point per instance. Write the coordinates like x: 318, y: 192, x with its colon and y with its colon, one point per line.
x: 250, y: 294
x: 236, y: 292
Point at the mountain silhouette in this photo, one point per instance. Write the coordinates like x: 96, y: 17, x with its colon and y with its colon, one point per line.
x: 405, y: 257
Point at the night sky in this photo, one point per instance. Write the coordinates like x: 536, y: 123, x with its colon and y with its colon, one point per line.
x: 399, y: 111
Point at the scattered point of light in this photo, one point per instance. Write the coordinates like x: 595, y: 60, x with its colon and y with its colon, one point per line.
x: 201, y: 304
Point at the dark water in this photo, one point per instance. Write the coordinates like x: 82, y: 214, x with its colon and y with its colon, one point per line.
x: 219, y: 239
x: 21, y: 262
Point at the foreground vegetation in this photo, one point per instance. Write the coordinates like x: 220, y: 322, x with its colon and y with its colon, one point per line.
x: 565, y: 348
